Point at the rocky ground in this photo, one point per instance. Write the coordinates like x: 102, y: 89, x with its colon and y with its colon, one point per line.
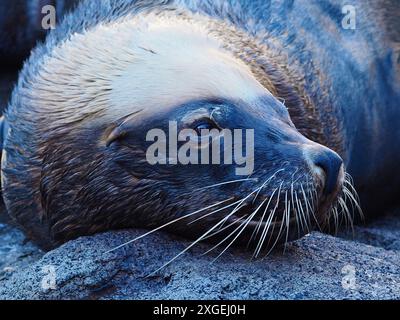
x: 319, y: 266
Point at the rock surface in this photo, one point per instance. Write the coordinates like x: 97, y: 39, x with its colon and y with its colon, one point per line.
x: 317, y: 267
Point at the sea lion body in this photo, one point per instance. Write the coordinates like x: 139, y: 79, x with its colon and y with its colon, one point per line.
x: 341, y: 88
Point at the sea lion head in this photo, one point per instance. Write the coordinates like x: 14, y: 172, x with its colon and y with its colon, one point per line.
x: 85, y: 116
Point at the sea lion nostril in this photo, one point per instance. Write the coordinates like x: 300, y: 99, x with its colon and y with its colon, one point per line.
x: 331, y: 163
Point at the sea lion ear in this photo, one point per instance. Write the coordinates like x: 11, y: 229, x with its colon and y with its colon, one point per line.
x: 120, y: 128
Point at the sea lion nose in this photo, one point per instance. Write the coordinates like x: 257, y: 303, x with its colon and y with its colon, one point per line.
x: 329, y: 165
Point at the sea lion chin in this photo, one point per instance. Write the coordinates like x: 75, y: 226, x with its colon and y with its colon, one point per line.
x: 74, y: 157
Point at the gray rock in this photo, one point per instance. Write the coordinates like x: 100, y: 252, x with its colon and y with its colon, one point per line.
x: 15, y: 251
x: 384, y: 232
x: 316, y: 267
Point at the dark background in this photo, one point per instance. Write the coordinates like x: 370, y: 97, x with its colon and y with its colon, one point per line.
x: 20, y: 30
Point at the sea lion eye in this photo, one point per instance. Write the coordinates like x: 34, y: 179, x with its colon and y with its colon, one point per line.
x: 204, y: 124
x: 203, y: 130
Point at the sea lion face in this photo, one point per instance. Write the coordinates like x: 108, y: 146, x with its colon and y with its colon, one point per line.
x: 292, y: 184
x: 96, y: 122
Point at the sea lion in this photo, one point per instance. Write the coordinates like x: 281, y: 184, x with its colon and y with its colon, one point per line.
x: 321, y: 99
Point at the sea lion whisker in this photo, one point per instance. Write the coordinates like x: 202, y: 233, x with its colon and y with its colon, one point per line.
x: 249, y: 217
x: 255, y: 232
x: 238, y: 207
x: 239, y: 202
x: 237, y: 231
x: 221, y: 222
x: 349, y: 182
x: 244, y: 224
x: 311, y: 197
x: 303, y: 216
x: 336, y: 219
x: 285, y: 221
x: 191, y: 245
x: 262, y: 218
x: 311, y: 200
x: 332, y: 215
x: 356, y: 203
x: 343, y: 221
x: 215, y: 211
x: 266, y: 182
x: 225, y: 183
x: 167, y: 224
x: 258, y: 192
x: 304, y: 211
x: 268, y: 224
x: 347, y: 213
x: 263, y: 234
x: 353, y: 195
x: 342, y: 215
x: 298, y: 219
x: 300, y: 210
x: 287, y: 224
x: 281, y: 227
x: 314, y: 199
x: 221, y: 227
x: 228, y: 236
x: 272, y: 232
x: 311, y: 206
x: 347, y: 199
x: 226, y: 227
